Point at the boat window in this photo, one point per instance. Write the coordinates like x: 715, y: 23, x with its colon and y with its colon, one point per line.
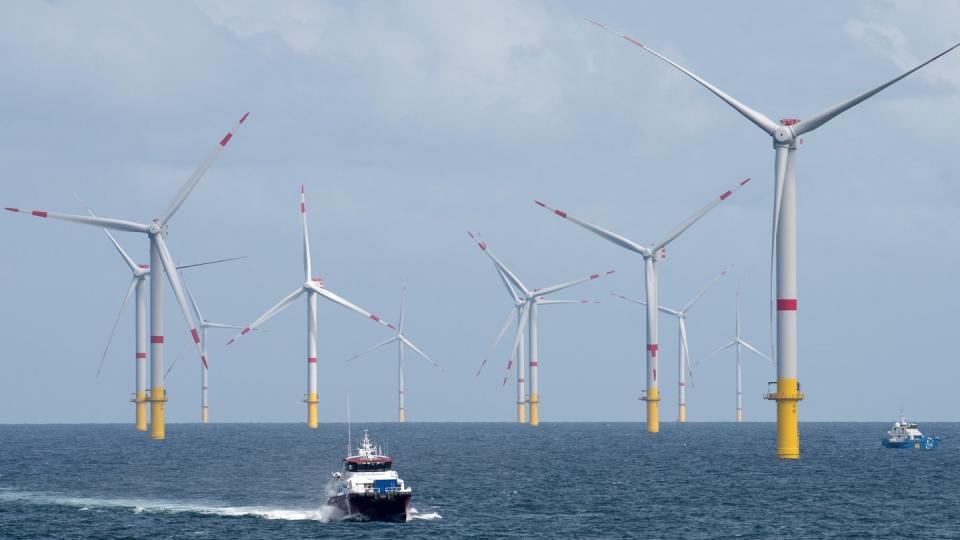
x: 369, y: 467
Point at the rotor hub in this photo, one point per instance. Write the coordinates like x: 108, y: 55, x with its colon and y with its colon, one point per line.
x: 154, y: 228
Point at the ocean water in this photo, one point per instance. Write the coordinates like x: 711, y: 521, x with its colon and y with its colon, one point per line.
x: 699, y: 480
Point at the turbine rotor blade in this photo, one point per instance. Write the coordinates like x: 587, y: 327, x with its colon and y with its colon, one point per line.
x: 205, y: 263
x: 502, y: 268
x: 554, y: 288
x: 375, y: 347
x: 705, y: 289
x: 601, y: 232
x: 755, y: 350
x: 417, y: 350
x: 126, y: 298
x: 353, y: 307
x: 194, y: 179
x: 679, y: 229
x: 174, y: 278
x: 503, y: 330
x: 116, y: 224
x: 307, y: 270
x: 758, y: 118
x: 821, y: 118
x: 280, y: 306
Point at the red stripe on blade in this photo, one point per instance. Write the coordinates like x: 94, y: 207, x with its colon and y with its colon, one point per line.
x: 245, y: 115
x: 653, y: 347
x: 141, y: 355
x: 312, y: 360
x: 725, y: 195
x: 12, y: 209
x: 534, y: 363
x: 786, y: 304
x: 245, y: 331
x: 560, y: 213
x: 203, y: 360
x: 594, y: 276
x: 156, y: 339
x: 744, y: 182
x: 226, y: 139
x: 196, y: 336
x: 39, y: 213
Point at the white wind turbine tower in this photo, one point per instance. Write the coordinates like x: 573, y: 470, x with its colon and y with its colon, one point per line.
x: 313, y: 287
x: 401, y: 339
x: 160, y: 257
x: 785, y: 135
x: 683, y: 348
x: 650, y: 257
x: 739, y: 342
x: 528, y: 301
x: 204, y: 376
x: 137, y: 284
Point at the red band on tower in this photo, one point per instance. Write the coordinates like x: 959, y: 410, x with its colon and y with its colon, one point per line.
x: 786, y: 304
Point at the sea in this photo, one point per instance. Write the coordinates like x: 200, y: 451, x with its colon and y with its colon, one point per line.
x: 479, y: 480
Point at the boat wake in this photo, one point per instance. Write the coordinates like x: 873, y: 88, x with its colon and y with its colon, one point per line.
x: 414, y: 514
x: 323, y: 514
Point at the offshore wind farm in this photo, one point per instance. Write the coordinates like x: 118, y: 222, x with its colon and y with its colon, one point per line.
x: 398, y: 134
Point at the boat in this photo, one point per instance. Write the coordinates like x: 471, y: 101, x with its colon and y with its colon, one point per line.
x: 368, y: 489
x: 905, y: 434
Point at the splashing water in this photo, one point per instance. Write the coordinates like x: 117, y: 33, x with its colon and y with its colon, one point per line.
x: 323, y: 514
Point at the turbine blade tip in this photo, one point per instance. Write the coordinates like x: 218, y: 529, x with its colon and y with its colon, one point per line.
x: 539, y: 203
x: 744, y: 181
x: 9, y: 209
x: 244, y: 117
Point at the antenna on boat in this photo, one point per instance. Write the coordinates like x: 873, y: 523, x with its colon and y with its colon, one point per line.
x: 349, y: 436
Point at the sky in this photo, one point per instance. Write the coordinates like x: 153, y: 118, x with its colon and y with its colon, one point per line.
x: 411, y: 123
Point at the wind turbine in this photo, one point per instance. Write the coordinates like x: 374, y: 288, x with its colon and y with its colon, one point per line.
x: 739, y: 342
x: 313, y: 287
x: 683, y: 348
x: 137, y: 283
x: 160, y: 257
x: 785, y: 135
x: 204, y: 377
x: 527, y: 303
x: 401, y: 340
x: 650, y: 257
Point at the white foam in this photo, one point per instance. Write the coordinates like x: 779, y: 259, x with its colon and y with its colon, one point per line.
x: 415, y: 514
x: 323, y: 514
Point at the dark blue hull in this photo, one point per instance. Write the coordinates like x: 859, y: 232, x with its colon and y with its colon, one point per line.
x: 372, y: 506
x: 926, y: 443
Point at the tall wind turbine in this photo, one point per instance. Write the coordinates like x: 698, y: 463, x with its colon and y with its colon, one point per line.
x: 739, y: 342
x: 683, y: 348
x: 137, y: 283
x: 531, y: 300
x: 160, y: 257
x: 785, y: 135
x: 313, y: 287
x: 204, y: 376
x: 650, y: 257
x: 401, y: 341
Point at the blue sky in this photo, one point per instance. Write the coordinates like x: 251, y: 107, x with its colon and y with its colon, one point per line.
x: 411, y: 123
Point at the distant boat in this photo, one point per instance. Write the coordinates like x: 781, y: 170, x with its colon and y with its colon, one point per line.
x: 368, y: 489
x: 906, y: 435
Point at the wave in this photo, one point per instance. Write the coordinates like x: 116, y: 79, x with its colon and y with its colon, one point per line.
x: 323, y: 514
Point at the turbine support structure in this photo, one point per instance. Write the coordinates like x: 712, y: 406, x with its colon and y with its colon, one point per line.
x: 158, y: 394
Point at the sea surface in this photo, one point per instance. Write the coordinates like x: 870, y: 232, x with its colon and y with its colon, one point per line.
x: 489, y: 480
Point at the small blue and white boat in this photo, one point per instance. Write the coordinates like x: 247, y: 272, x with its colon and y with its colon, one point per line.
x: 906, y: 435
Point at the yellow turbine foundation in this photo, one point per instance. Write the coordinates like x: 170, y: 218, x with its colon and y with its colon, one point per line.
x: 312, y: 410
x: 682, y: 414
x: 521, y: 413
x: 739, y: 415
x: 158, y: 396
x: 205, y: 415
x: 788, y: 433
x: 534, y: 409
x: 653, y: 410
x: 141, y: 405
x: 403, y: 416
